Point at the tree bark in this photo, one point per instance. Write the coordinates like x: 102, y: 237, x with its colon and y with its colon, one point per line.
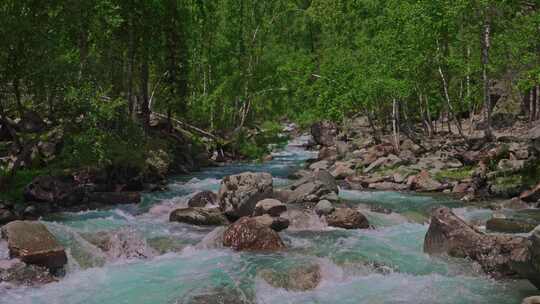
x: 486, y: 44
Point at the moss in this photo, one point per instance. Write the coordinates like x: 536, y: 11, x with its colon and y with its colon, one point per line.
x: 454, y: 174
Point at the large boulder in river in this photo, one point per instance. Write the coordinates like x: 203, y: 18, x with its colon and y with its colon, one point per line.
x: 32, y: 243
x: 16, y: 272
x: 324, y: 133
x: 198, y: 216
x: 347, y: 218
x: 203, y: 198
x: 311, y: 189
x: 239, y: 193
x: 498, y: 255
x: 250, y: 234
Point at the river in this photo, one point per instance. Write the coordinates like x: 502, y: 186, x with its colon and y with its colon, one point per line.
x: 156, y: 261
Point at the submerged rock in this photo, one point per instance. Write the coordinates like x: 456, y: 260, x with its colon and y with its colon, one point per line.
x: 498, y: 255
x: 202, y: 199
x: 324, y: 207
x: 508, y: 225
x: 239, y: 193
x: 299, y: 278
x: 269, y: 206
x: 16, y: 272
x: 199, y: 216
x: 249, y: 234
x: 347, y: 218
x: 124, y: 243
x: 32, y: 243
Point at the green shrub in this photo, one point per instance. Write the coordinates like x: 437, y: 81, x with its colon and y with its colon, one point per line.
x: 13, y: 191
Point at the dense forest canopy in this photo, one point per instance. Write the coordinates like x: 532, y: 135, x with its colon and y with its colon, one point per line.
x: 100, y: 68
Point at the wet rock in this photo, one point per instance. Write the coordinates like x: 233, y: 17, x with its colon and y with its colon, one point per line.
x: 219, y: 296
x: 124, y: 243
x: 269, y: 206
x: 16, y: 272
x: 114, y: 198
x: 313, y: 188
x: 498, y: 255
x: 202, y: 199
x: 249, y: 234
x: 32, y: 243
x: 6, y: 216
x: 198, y: 216
x: 324, y: 133
x: 324, y: 207
x: 239, y: 193
x: 509, y: 225
x: 299, y: 278
x: 461, y: 188
x: 532, y: 195
x: 347, y: 218
x: 164, y: 244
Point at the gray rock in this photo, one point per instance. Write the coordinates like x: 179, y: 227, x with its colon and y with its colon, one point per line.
x: 239, y: 193
x: 269, y: 206
x: 312, y: 188
x: 324, y: 133
x: 324, y: 207
x: 509, y: 225
x: 203, y: 198
x: 252, y: 234
x: 531, y: 300
x: 298, y: 278
x: 198, y: 216
x: 347, y: 218
x: 323, y: 164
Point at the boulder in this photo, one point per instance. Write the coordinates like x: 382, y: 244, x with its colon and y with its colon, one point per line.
x: 498, y: 255
x: 249, y: 234
x: 324, y: 133
x: 343, y: 170
x: 269, y: 206
x: 510, y: 165
x: 531, y: 196
x: 123, y: 243
x: 114, y: 198
x: 323, y: 164
x: 347, y: 218
x: 324, y: 207
x: 203, y: 198
x: 51, y: 189
x: 239, y: 193
x: 534, y: 136
x: 509, y: 225
x: 32, y: 243
x: 328, y: 153
x: 531, y: 300
x: 298, y: 278
x: 198, y: 216
x: 313, y: 188
x: 424, y: 182
x: 275, y: 223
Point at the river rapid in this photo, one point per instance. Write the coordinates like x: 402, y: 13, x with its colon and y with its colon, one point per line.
x: 154, y: 261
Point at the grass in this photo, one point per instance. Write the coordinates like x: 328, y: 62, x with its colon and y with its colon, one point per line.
x: 454, y: 174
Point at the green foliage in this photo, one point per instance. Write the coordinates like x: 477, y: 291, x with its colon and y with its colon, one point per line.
x: 261, y: 143
x: 13, y: 192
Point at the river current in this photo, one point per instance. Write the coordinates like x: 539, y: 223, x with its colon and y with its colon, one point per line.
x: 154, y: 261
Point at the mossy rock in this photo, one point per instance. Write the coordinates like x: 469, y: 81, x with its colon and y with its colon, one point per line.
x: 458, y: 174
x: 507, y: 186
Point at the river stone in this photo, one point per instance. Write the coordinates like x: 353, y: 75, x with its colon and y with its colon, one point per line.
x: 123, y: 243
x: 343, y: 169
x: 202, y: 199
x: 424, y: 182
x: 323, y: 164
x: 269, y: 206
x: 347, y: 218
x: 198, y: 216
x: 509, y: 225
x: 498, y: 255
x: 14, y: 271
x: 34, y: 244
x: 249, y: 234
x: 239, y: 193
x: 324, y: 207
x: 313, y: 188
x: 298, y: 278
x: 53, y: 189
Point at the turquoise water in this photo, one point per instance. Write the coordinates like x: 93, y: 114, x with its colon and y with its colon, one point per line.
x: 384, y: 265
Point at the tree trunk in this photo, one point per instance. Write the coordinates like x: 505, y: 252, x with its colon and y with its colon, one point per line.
x: 144, y: 93
x: 486, y: 36
x: 395, y: 124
